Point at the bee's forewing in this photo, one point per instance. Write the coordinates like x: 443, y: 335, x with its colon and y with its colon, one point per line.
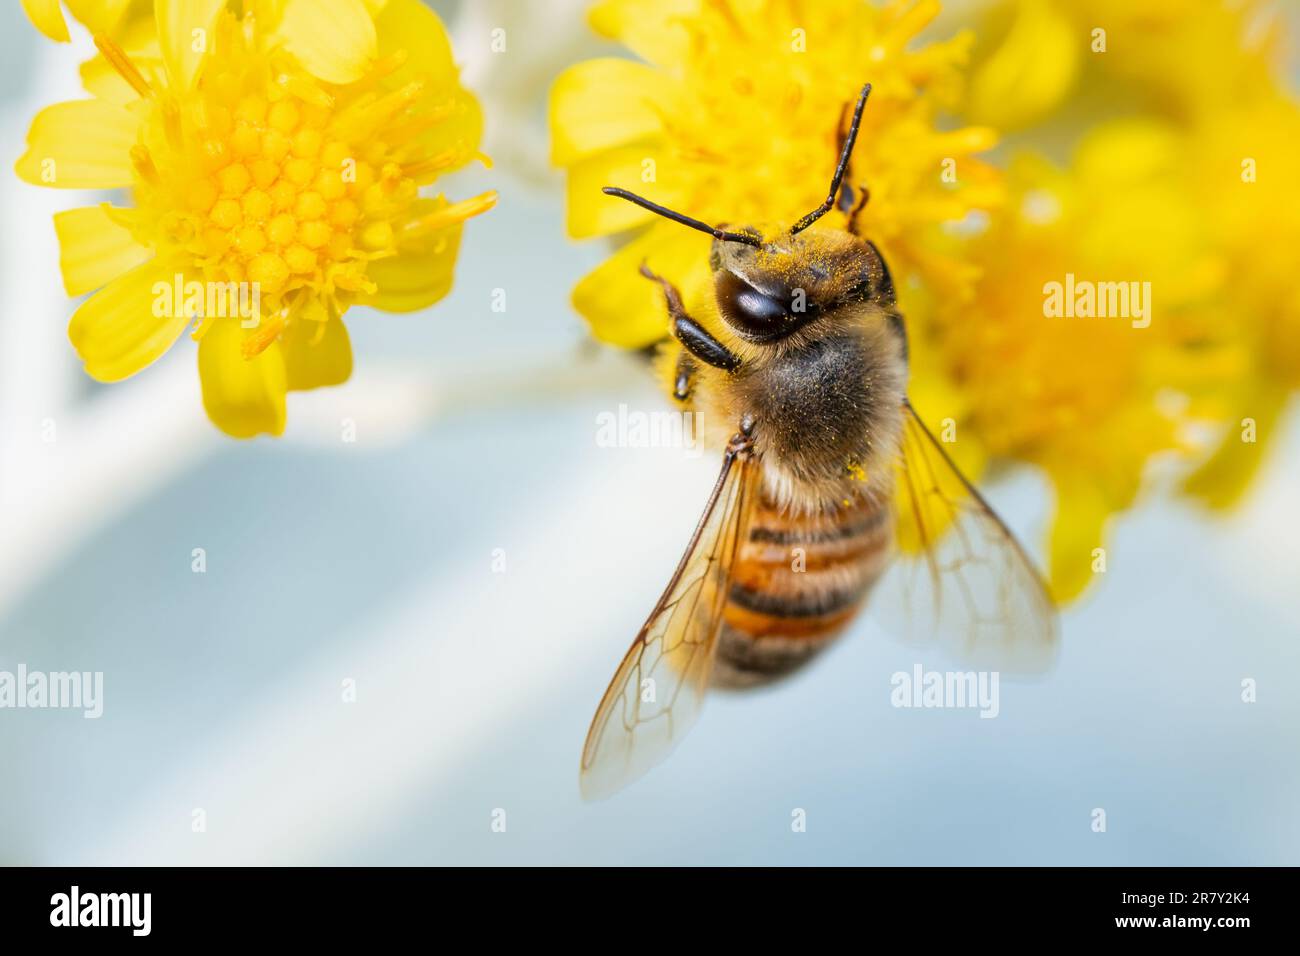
x: 658, y: 690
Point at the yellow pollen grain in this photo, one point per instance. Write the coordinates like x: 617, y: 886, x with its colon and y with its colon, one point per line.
x: 300, y: 258
x: 344, y: 213
x: 307, y: 142
x: 329, y: 183
x: 257, y: 204
x: 284, y: 194
x: 250, y: 240
x: 284, y: 116
x: 269, y: 271
x: 234, y: 179
x: 275, y: 145
x: 310, y: 205
x: 264, y: 173
x: 333, y: 155
x: 314, y: 234
x: 281, y: 229
x: 299, y: 171
x: 226, y: 214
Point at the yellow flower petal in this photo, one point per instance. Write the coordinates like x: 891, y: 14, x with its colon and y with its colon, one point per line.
x: 591, y: 213
x: 177, y: 22
x: 650, y: 28
x: 626, y: 309
x: 47, y: 16
x: 421, y: 273
x: 99, y: 16
x: 1082, y: 508
x: 244, y: 397
x: 1221, y: 482
x: 117, y: 331
x: 333, y: 39
x: 410, y: 26
x: 81, y: 144
x: 1031, y: 71
x: 598, y: 104
x: 316, y: 354
x: 94, y: 249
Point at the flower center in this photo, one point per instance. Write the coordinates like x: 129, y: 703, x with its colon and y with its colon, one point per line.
x: 262, y: 174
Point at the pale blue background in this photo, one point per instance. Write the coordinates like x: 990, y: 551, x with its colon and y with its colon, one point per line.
x: 372, y: 561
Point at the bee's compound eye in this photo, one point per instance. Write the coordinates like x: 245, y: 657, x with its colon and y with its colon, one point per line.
x: 758, y: 308
x: 754, y: 314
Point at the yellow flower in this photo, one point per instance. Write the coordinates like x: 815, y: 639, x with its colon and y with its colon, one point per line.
x: 1247, y: 177
x: 275, y: 159
x: 734, y: 118
x: 1088, y: 399
x: 1051, y: 62
x: 1041, y: 58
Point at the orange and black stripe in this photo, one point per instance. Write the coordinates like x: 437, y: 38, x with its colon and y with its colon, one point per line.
x: 797, y: 581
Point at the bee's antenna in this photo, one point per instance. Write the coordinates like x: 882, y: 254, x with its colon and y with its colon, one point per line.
x: 825, y: 207
x: 667, y: 213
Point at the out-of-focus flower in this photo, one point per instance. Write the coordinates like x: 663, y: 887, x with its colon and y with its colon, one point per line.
x: 1089, y: 399
x: 275, y: 159
x: 1042, y: 61
x: 734, y: 118
x: 1212, y: 73
x: 1247, y: 189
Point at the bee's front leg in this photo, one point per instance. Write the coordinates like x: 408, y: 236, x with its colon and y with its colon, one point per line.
x: 693, y: 336
x: 684, y: 377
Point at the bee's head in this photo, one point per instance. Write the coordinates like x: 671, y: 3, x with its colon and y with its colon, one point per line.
x: 771, y: 282
x: 770, y: 291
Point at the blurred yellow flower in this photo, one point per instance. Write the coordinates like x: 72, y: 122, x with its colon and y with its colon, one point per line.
x: 1212, y: 72
x: 1088, y: 398
x: 1044, y: 61
x: 734, y: 118
x: 275, y: 159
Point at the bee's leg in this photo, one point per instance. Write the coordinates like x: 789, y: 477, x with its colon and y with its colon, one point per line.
x: 684, y: 377
x: 693, y: 336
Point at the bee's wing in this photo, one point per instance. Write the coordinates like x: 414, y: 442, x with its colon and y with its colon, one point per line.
x: 657, y: 691
x: 960, y: 576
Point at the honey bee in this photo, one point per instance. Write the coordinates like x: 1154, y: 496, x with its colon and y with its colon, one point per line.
x: 828, y: 478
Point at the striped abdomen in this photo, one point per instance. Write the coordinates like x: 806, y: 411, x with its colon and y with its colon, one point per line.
x: 796, y: 583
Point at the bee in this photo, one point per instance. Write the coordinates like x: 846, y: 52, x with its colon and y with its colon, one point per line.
x: 829, y: 477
